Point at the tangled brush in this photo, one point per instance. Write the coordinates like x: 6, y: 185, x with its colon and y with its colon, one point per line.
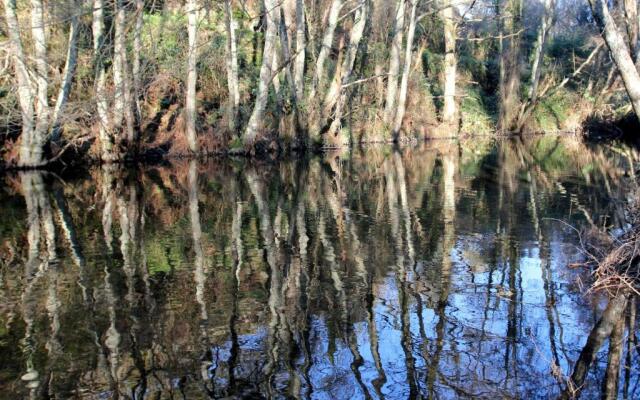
x: 615, y: 260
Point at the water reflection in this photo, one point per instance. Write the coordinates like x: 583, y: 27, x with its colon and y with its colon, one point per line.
x: 434, y: 272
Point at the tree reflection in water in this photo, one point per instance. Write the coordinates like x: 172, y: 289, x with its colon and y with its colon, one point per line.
x: 410, y: 273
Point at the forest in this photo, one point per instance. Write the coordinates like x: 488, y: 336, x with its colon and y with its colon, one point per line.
x: 119, y: 80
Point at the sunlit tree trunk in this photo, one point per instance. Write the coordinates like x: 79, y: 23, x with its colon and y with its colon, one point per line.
x: 619, y: 52
x: 538, y: 56
x: 108, y: 150
x: 256, y: 120
x: 39, y: 122
x: 232, y: 66
x: 31, y: 144
x: 68, y: 72
x: 449, y: 112
x: 301, y: 44
x: 394, y: 62
x: 325, y: 47
x: 337, y: 96
x: 192, y: 75
x: 119, y: 60
x: 287, y: 61
x: 406, y: 72
x: 38, y: 36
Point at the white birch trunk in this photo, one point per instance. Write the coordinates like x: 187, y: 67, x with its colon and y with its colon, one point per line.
x: 450, y: 63
x: 266, y: 73
x: 404, y: 85
x: 394, y: 63
x: 619, y: 52
x: 232, y: 66
x: 325, y: 47
x: 192, y: 75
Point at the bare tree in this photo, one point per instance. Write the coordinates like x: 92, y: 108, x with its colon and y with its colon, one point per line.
x: 38, y: 120
x: 137, y: 51
x: 301, y: 44
x: 192, y: 74
x: 266, y: 73
x: 619, y: 52
x: 232, y: 66
x: 325, y: 47
x: 394, y: 63
x: 106, y: 134
x: 336, y: 96
x: 449, y: 111
x: 404, y: 85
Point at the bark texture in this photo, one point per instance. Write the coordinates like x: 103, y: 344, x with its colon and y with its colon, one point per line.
x: 404, y: 85
x: 192, y: 75
x: 394, y: 62
x: 449, y: 111
x: 619, y: 52
x: 232, y: 66
x: 266, y: 73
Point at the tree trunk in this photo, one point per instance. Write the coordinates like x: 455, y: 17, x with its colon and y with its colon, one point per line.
x: 394, y: 63
x: 30, y: 144
x: 266, y: 73
x: 108, y: 152
x: 42, y: 68
x: 543, y: 34
x: 357, y: 32
x: 67, y: 76
x: 286, y: 60
x: 137, y: 50
x: 449, y: 112
x: 600, y: 332
x: 404, y: 85
x: 325, y: 47
x: 192, y: 75
x: 631, y: 21
x: 119, y: 57
x: 619, y: 52
x: 510, y: 65
x: 536, y: 65
x: 232, y: 66
x: 300, y: 48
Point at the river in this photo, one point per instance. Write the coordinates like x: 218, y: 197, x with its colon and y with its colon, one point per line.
x: 437, y: 271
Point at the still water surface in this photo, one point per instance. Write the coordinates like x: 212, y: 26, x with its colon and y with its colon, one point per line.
x: 431, y: 272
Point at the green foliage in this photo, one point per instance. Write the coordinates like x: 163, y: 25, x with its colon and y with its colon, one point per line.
x: 164, y: 40
x: 477, y: 116
x: 552, y: 112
